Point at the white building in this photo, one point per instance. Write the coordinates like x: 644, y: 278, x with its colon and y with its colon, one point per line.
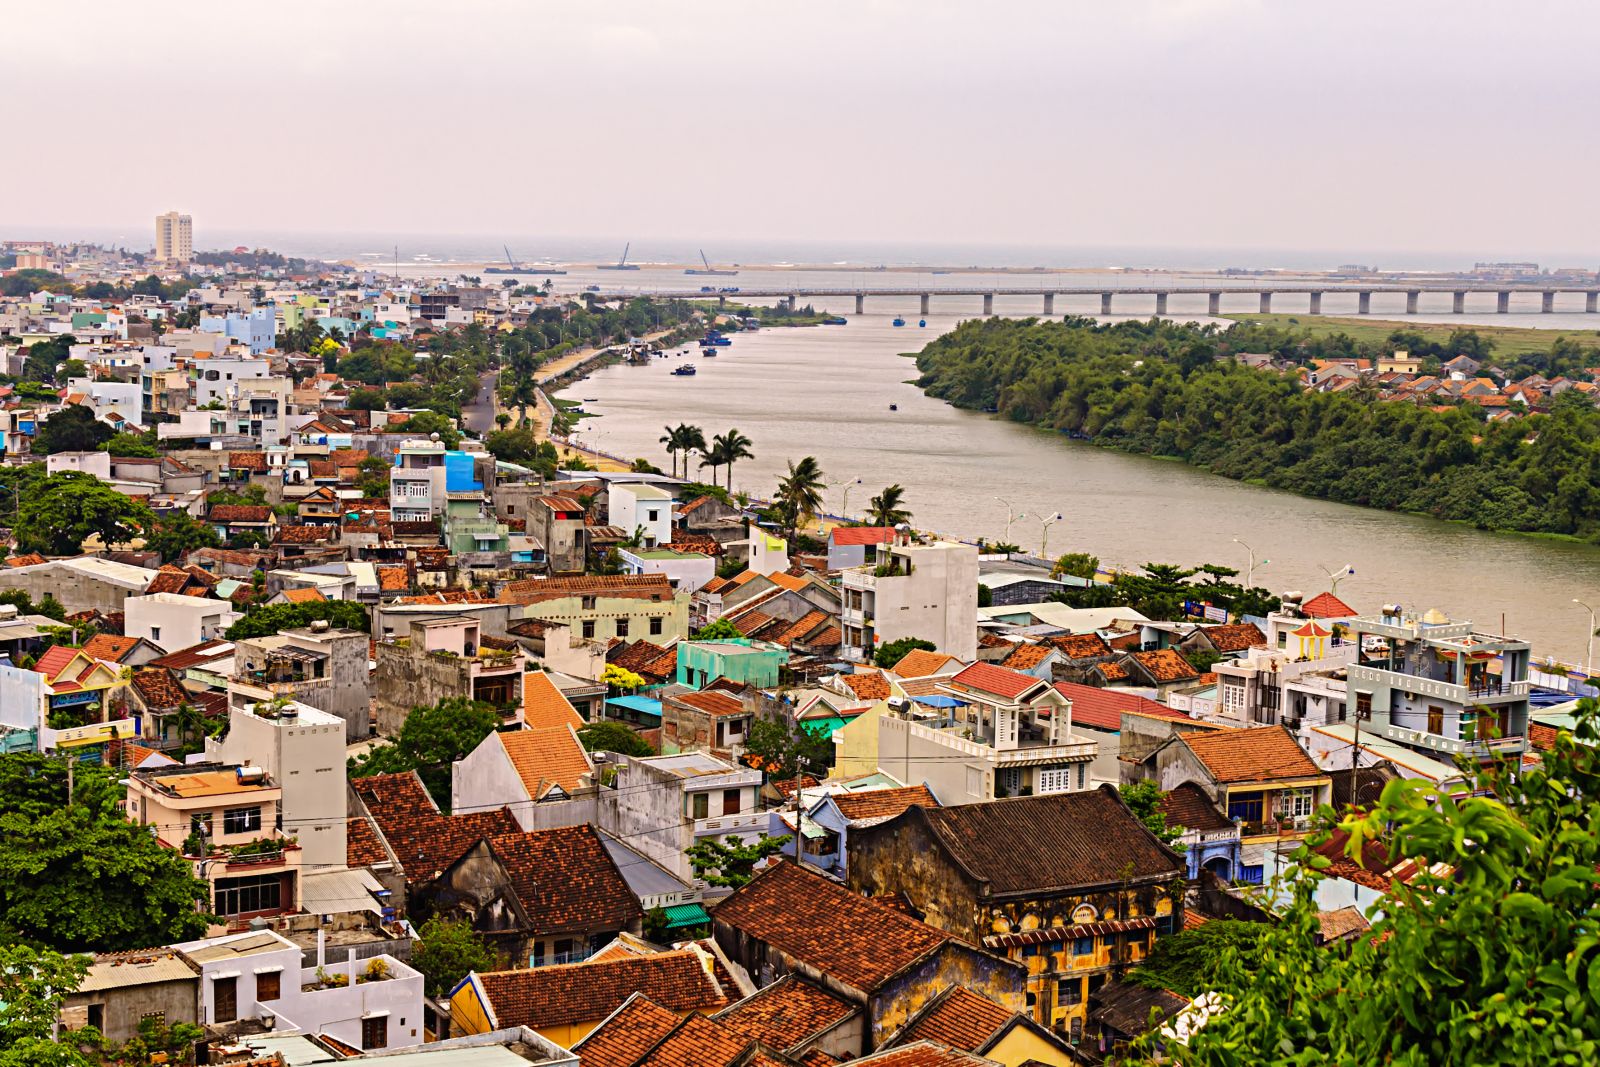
x: 303, y: 749
x: 175, y: 621
x: 214, y: 379
x: 373, y: 1003
x: 663, y: 805
x: 687, y: 571
x: 645, y: 508
x: 908, y: 589
x: 174, y: 238
x: 417, y: 483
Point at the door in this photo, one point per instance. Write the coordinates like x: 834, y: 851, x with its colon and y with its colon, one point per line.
x: 225, y: 999
x: 1436, y: 720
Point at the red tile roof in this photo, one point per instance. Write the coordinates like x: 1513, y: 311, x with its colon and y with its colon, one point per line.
x: 1165, y: 665
x: 878, y: 804
x: 240, y: 513
x: 635, y: 1028
x: 1234, y: 636
x: 304, y: 596
x: 867, y: 685
x: 786, y: 1013
x: 362, y: 846
x: 1026, y: 657
x: 699, y: 1042
x: 159, y: 688
x: 636, y: 586
x: 1327, y: 606
x: 55, y: 659
x: 29, y: 560
x: 305, y: 535
x: 546, y: 757
x: 576, y: 993
x: 1258, y: 755
x: 861, y: 535
x: 110, y: 647
x: 1189, y: 807
x: 424, y: 841
x: 565, y: 880
x: 248, y: 461
x: 920, y: 663
x: 193, y: 655
x: 923, y: 1054
x: 713, y: 704
x: 815, y: 920
x: 1103, y: 708
x: 544, y: 705
x: 958, y: 1018
x: 998, y: 681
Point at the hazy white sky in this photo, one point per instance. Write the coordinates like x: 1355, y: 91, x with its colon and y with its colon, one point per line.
x: 1168, y: 123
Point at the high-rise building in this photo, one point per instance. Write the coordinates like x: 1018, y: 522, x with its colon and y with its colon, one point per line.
x: 174, y: 237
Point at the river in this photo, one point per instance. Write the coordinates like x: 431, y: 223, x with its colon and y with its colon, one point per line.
x: 827, y: 391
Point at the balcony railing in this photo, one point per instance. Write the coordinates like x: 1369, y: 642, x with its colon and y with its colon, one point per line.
x: 1419, y: 685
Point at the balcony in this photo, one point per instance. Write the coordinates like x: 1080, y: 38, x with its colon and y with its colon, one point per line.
x: 1476, y: 749
x: 717, y: 825
x: 1029, y: 752
x: 1494, y: 690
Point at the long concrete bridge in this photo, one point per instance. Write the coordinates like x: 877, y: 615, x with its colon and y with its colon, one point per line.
x: 1214, y: 294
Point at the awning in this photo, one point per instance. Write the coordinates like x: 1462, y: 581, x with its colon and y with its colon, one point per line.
x: 686, y: 915
x: 331, y: 892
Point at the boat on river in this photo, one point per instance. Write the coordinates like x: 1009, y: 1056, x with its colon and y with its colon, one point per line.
x: 683, y: 369
x: 898, y: 321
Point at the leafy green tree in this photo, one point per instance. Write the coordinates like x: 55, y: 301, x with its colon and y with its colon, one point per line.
x: 431, y: 422
x: 718, y: 630
x: 34, y: 984
x: 132, y: 445
x: 68, y: 507
x: 732, y: 863
x: 373, y: 478
x: 72, y: 429
x: 1144, y: 800
x: 1486, y: 956
x: 177, y: 532
x: 446, y: 951
x: 81, y: 876
x: 784, y: 751
x: 613, y: 737
x: 985, y: 596
x: 892, y: 652
x: 1076, y: 564
x: 262, y: 620
x: 1193, y: 962
x: 429, y: 741
x: 729, y: 448
x: 885, y: 508
x: 44, y: 360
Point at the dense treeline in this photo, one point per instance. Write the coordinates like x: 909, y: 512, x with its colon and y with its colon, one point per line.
x: 1160, y: 388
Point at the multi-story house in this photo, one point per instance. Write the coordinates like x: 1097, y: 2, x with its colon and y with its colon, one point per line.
x: 645, y: 509
x: 316, y: 665
x: 556, y: 522
x: 663, y: 805
x: 442, y: 658
x: 989, y: 732
x: 599, y: 607
x: 1439, y: 687
x: 417, y: 483
x: 1072, y: 886
x: 1259, y: 688
x: 911, y: 589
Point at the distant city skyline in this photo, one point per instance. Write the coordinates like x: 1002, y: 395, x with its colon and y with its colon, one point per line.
x: 1152, y: 124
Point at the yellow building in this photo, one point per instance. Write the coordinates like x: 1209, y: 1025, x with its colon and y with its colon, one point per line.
x: 962, y: 1019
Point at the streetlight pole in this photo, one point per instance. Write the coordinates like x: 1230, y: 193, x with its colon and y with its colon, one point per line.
x: 1044, y: 532
x: 1335, y: 577
x: 1010, y: 516
x: 1250, y: 571
x: 1588, y: 659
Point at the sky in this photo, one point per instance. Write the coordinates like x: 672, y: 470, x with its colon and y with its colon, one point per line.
x: 1359, y: 126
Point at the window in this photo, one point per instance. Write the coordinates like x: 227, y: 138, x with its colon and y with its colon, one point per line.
x: 655, y: 515
x: 268, y: 985
x: 375, y: 1032
x: 155, y: 633
x: 225, y: 1000
x: 97, y: 1016
x: 537, y: 960
x: 1083, y: 775
x: 564, y: 950
x: 1083, y: 946
x: 247, y: 896
x: 1296, y: 803
x: 622, y: 627
x: 730, y: 802
x: 1053, y: 780
x: 588, y: 603
x: 1069, y: 991
x: 1364, y: 706
x: 200, y: 824
x: 700, y: 804
x: 241, y: 820
x: 655, y: 626
x: 588, y: 628
x: 1247, y: 808
x: 1435, y: 720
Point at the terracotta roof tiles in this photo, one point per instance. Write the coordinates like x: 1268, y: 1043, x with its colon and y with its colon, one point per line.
x: 1234, y: 636
x: 877, y: 804
x: 960, y: 1019
x: 786, y: 1013
x: 304, y: 596
x: 543, y: 705
x: 545, y: 757
x: 861, y: 535
x: 715, y: 705
x: 1102, y: 708
x: 998, y: 681
x: 1165, y: 665
x: 424, y: 840
x: 1327, y: 606
x: 1258, y: 755
x: 362, y: 846
x: 1027, y: 657
x: 638, y: 586
x: 1189, y: 807
x: 110, y: 647
x: 575, y: 993
x: 867, y: 685
x: 158, y: 687
x: 921, y: 663
x: 248, y: 461
x: 565, y: 880
x: 239, y: 513
x: 628, y: 1034
x: 1079, y: 646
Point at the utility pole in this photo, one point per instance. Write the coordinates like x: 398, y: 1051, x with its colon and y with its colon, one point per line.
x: 70, y: 761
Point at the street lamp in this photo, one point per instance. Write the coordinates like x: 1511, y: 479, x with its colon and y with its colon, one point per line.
x: 1250, y: 571
x: 1588, y: 659
x: 1044, y: 532
x: 844, y: 501
x: 1335, y: 577
x: 1010, y: 517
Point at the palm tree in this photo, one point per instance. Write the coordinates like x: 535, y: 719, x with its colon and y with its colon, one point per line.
x: 713, y: 457
x: 885, y: 510
x: 735, y: 446
x: 800, y: 492
x: 672, y: 441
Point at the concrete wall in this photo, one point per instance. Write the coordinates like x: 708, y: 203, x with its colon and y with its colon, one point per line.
x: 408, y: 677
x: 306, y: 757
x: 122, y: 1009
x: 75, y: 590
x: 917, y: 760
x: 646, y: 811
x: 638, y: 612
x: 1002, y: 981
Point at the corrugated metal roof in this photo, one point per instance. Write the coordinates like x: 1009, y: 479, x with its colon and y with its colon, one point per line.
x: 120, y: 970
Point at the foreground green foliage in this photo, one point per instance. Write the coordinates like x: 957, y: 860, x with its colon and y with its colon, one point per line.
x: 1494, y: 960
x: 81, y: 876
x: 1160, y: 389
x: 1193, y: 962
x: 732, y: 863
x: 784, y: 751
x: 261, y: 620
x: 1144, y: 800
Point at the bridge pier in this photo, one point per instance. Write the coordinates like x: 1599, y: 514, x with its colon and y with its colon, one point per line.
x: 861, y: 303
x: 1459, y: 303
x: 1548, y: 304
x: 1316, y: 303
x: 1412, y: 296
x: 1589, y: 301
x: 988, y: 303
x: 722, y: 302
x: 1105, y: 303
x: 1050, y: 304
x: 1502, y: 303
x: 1161, y: 304
x: 924, y: 305
x: 1214, y: 304
x: 1363, y: 303
x: 1266, y: 303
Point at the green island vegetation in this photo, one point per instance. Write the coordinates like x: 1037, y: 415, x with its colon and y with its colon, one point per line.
x: 776, y: 315
x: 1164, y: 389
x: 1369, y: 335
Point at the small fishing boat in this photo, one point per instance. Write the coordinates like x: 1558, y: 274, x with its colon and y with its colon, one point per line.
x: 835, y: 320
x: 683, y: 369
x: 894, y: 407
x: 922, y: 322
x: 898, y: 321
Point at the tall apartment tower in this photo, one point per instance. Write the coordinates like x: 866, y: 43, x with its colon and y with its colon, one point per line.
x: 174, y: 238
